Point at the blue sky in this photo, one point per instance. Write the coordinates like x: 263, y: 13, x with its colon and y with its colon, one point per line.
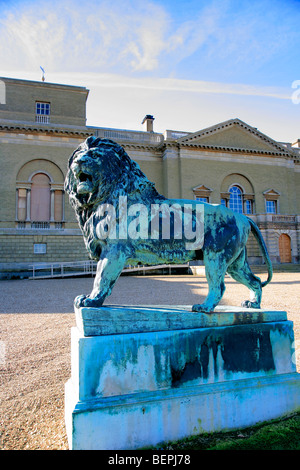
x: 190, y: 63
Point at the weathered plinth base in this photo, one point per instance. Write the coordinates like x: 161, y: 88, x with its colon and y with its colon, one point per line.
x: 141, y: 375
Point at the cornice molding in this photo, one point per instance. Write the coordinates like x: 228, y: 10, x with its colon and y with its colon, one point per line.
x: 183, y: 142
x: 214, y: 148
x: 141, y: 146
x: 43, y: 130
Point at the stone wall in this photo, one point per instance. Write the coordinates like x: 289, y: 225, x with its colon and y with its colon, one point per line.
x: 19, y: 248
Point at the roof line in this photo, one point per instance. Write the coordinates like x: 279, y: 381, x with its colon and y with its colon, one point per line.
x: 230, y: 123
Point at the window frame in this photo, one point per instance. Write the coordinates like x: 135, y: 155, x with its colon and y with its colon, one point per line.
x: 267, y: 202
x: 237, y: 186
x: 250, y: 203
x: 42, y: 117
x: 202, y: 199
x: 44, y: 104
x: 202, y: 193
x: 271, y: 195
x: 40, y: 248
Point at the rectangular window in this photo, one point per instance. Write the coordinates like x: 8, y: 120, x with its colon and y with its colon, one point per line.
x: 248, y: 206
x: 202, y: 199
x: 271, y: 207
x: 42, y: 112
x: 40, y: 248
x: 43, y: 108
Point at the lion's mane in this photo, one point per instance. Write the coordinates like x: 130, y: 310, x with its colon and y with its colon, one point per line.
x: 116, y: 173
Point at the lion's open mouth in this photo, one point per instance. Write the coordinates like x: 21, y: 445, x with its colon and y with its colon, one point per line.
x: 84, y: 177
x: 84, y: 183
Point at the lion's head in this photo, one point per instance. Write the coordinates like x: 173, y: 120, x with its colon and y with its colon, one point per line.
x: 99, y: 171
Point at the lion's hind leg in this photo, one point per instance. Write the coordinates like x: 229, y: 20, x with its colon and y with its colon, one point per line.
x: 240, y: 271
x: 215, y: 270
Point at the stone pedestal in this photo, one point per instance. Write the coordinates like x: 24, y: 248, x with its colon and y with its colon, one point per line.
x: 144, y: 375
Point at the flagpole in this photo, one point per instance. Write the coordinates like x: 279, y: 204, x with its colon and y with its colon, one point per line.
x: 43, y: 76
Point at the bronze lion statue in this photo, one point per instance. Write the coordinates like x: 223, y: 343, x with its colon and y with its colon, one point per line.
x: 125, y: 221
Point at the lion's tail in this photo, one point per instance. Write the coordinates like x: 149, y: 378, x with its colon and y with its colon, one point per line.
x: 258, y: 236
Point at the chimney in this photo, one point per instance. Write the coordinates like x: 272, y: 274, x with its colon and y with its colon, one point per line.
x: 148, y: 122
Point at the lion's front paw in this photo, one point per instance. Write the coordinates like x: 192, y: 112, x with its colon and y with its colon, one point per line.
x: 79, y: 301
x: 249, y: 304
x: 86, y: 301
x: 202, y: 308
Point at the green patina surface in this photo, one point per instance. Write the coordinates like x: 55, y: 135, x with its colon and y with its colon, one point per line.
x: 131, y: 363
x: 113, y: 202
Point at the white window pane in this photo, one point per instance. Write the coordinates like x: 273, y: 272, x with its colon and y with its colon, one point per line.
x: 43, y: 108
x: 236, y: 199
x: 248, y: 207
x: 271, y: 207
x: 40, y: 248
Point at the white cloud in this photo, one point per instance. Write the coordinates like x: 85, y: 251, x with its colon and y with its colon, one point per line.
x: 174, y: 84
x: 114, y: 48
x: 119, y: 103
x: 70, y: 35
x: 141, y: 36
x: 192, y: 34
x: 166, y: 85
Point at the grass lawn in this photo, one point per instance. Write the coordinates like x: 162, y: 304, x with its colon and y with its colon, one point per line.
x: 281, y: 434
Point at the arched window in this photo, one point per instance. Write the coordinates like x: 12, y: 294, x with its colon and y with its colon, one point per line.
x: 237, y: 193
x: 40, y: 198
x: 236, y: 199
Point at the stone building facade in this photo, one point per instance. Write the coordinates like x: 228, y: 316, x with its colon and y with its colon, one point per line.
x: 230, y: 163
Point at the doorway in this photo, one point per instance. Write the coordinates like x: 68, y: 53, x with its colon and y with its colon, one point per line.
x: 285, y: 251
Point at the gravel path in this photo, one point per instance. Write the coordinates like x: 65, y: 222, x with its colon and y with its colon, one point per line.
x: 35, y: 321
